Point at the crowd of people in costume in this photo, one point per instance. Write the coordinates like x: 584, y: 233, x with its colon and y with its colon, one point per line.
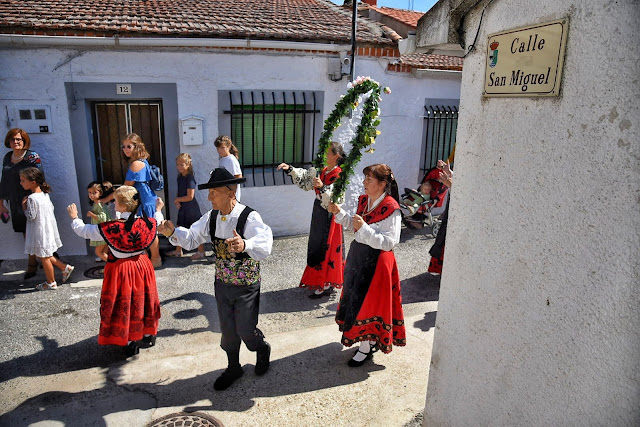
x: 124, y: 225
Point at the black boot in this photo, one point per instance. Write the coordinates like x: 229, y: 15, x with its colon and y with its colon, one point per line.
x: 262, y: 359
x: 131, y: 349
x: 149, y: 340
x: 232, y: 373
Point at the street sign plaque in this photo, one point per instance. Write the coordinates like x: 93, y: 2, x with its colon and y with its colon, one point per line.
x: 526, y: 61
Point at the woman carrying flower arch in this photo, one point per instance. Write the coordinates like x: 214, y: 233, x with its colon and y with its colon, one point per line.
x: 370, y: 307
x: 325, y: 255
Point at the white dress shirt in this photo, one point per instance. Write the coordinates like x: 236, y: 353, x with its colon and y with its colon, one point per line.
x: 258, y: 238
x: 383, y: 235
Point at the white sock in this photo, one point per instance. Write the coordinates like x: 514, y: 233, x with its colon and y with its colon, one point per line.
x: 362, y: 351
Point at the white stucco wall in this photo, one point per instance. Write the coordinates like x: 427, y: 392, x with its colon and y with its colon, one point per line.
x: 28, y: 77
x: 539, y: 316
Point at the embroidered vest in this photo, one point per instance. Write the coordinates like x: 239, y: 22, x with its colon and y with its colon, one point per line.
x: 386, y: 207
x: 233, y: 268
x: 137, y: 239
x: 328, y: 178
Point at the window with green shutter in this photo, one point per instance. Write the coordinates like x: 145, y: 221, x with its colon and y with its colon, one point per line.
x: 268, y: 135
x: 269, y: 128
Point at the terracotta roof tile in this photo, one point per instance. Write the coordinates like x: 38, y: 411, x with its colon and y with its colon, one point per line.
x: 433, y: 62
x: 409, y: 17
x: 295, y: 20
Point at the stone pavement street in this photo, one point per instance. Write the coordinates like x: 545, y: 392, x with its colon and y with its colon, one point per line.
x: 52, y: 372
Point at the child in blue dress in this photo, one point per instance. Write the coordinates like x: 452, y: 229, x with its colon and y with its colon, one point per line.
x: 188, y: 208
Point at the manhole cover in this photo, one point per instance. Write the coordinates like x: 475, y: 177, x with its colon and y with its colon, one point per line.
x: 193, y: 419
x: 95, y: 272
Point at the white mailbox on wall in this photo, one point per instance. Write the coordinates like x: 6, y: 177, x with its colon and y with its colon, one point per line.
x: 30, y: 118
x: 191, y: 131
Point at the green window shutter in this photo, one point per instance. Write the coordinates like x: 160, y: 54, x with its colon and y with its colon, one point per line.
x: 271, y: 135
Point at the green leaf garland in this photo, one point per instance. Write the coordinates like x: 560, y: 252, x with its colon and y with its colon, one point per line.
x: 365, y: 134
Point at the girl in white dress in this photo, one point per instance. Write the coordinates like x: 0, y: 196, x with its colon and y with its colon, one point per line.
x: 41, y: 237
x: 229, y: 158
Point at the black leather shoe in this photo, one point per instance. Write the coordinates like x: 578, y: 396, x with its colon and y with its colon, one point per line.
x: 354, y: 363
x: 262, y: 359
x: 131, y: 349
x: 29, y: 274
x: 324, y: 293
x: 149, y: 340
x: 228, y: 377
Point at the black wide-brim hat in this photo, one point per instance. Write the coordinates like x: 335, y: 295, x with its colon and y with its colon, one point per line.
x: 220, y: 177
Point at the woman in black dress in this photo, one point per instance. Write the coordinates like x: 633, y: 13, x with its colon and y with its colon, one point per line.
x: 20, y: 157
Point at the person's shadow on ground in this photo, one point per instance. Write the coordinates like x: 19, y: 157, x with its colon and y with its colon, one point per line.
x: 314, y: 369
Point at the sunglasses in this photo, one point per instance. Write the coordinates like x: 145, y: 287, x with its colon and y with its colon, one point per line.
x: 127, y: 146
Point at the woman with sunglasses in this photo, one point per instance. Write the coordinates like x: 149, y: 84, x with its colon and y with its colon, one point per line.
x: 20, y: 157
x: 138, y: 176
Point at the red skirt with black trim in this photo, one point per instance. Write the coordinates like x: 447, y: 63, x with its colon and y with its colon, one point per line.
x: 381, y: 317
x: 129, y: 303
x: 331, y: 270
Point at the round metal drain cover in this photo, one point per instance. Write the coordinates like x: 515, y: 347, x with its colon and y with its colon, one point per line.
x: 191, y: 419
x: 95, y: 272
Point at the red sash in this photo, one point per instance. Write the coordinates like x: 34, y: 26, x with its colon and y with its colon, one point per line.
x: 386, y: 207
x: 138, y: 239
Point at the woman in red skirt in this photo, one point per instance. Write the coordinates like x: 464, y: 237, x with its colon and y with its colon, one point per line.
x: 325, y: 256
x: 129, y: 303
x: 370, y: 307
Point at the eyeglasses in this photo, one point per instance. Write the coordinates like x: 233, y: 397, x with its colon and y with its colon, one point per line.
x: 127, y: 146
x: 17, y: 139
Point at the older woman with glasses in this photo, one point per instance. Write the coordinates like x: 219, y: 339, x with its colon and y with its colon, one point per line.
x: 20, y: 157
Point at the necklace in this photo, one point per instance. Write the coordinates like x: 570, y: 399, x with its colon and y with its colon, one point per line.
x: 15, y: 158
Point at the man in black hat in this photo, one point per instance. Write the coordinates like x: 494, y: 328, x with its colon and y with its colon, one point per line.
x: 240, y: 240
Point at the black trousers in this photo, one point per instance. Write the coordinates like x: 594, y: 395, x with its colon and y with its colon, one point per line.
x: 238, y: 308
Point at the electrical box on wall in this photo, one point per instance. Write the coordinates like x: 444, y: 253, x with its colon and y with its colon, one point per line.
x: 191, y: 130
x: 31, y: 118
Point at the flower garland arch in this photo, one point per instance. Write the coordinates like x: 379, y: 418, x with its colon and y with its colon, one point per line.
x: 366, y: 132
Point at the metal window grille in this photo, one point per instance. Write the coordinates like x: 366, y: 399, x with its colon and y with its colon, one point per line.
x: 273, y: 127
x: 441, y: 123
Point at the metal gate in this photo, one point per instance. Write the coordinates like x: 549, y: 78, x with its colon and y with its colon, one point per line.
x: 441, y: 123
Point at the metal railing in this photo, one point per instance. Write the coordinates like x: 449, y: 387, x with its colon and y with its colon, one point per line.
x: 273, y: 127
x: 441, y: 123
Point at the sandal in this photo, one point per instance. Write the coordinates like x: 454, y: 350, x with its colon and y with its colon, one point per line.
x: 197, y: 256
x: 174, y: 254
x: 44, y: 286
x: 67, y: 272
